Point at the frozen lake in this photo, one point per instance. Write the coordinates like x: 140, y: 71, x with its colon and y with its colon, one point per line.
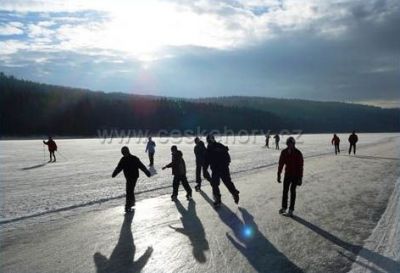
x: 68, y: 216
x: 82, y: 173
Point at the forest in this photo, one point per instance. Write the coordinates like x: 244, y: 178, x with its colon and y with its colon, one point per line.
x: 35, y: 109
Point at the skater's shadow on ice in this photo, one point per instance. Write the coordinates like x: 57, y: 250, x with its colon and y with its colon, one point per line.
x: 353, y: 260
x: 193, y: 228
x: 386, y: 264
x: 261, y: 254
x: 34, y: 167
x: 121, y: 259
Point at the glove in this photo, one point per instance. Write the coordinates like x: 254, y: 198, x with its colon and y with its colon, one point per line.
x: 300, y: 181
x: 279, y: 178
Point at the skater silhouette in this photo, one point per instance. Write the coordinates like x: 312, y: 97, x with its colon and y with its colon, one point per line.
x: 336, y: 141
x: 218, y: 158
x: 193, y: 229
x: 353, y: 139
x: 293, y: 160
x: 277, y: 139
x: 151, y: 149
x: 130, y: 164
x: 179, y: 172
x: 267, y: 137
x: 200, y: 153
x: 122, y: 257
x: 52, y: 146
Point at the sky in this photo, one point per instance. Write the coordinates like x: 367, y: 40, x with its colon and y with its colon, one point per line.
x: 340, y: 50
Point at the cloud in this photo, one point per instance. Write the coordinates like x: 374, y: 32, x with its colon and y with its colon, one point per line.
x: 12, y: 28
x: 46, y: 23
x: 11, y: 47
x: 315, y: 49
x: 143, y: 29
x: 39, y: 31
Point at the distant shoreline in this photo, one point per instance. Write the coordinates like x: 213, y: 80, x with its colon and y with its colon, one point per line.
x: 97, y: 137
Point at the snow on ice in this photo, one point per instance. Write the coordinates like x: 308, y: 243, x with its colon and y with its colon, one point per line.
x: 68, y: 216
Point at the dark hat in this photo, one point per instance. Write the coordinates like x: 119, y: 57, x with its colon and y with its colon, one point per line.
x: 125, y: 150
x: 210, y: 138
x: 290, y: 140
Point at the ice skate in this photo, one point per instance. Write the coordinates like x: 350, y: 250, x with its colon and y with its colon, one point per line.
x: 236, y: 198
x: 217, y: 204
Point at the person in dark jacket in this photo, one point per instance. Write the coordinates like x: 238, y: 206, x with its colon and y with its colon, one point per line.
x: 218, y: 158
x: 292, y: 159
x: 151, y: 149
x: 277, y: 139
x: 353, y: 139
x: 336, y: 141
x: 179, y: 172
x: 52, y: 146
x: 200, y: 153
x: 267, y: 137
x: 130, y: 164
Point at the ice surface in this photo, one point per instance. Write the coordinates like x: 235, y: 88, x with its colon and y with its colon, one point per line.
x: 385, y: 240
x: 338, y: 208
x: 82, y: 173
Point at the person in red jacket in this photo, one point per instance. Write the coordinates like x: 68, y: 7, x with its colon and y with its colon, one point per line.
x: 336, y: 141
x: 52, y: 146
x: 293, y: 160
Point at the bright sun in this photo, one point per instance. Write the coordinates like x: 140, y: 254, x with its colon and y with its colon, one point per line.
x: 142, y: 29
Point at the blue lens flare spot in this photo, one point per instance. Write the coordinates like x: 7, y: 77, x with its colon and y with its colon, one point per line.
x: 247, y: 232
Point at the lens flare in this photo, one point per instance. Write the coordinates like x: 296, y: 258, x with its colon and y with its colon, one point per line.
x: 247, y: 232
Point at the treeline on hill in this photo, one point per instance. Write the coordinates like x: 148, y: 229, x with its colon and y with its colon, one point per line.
x: 33, y: 109
x: 317, y: 116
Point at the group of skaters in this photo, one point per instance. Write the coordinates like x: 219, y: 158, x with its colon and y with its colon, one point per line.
x: 216, y: 157
x: 353, y: 139
x: 277, y: 140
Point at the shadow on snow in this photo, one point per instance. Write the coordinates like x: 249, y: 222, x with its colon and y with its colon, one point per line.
x: 386, y: 264
x: 193, y: 229
x: 254, y: 246
x: 122, y: 257
x: 34, y: 167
